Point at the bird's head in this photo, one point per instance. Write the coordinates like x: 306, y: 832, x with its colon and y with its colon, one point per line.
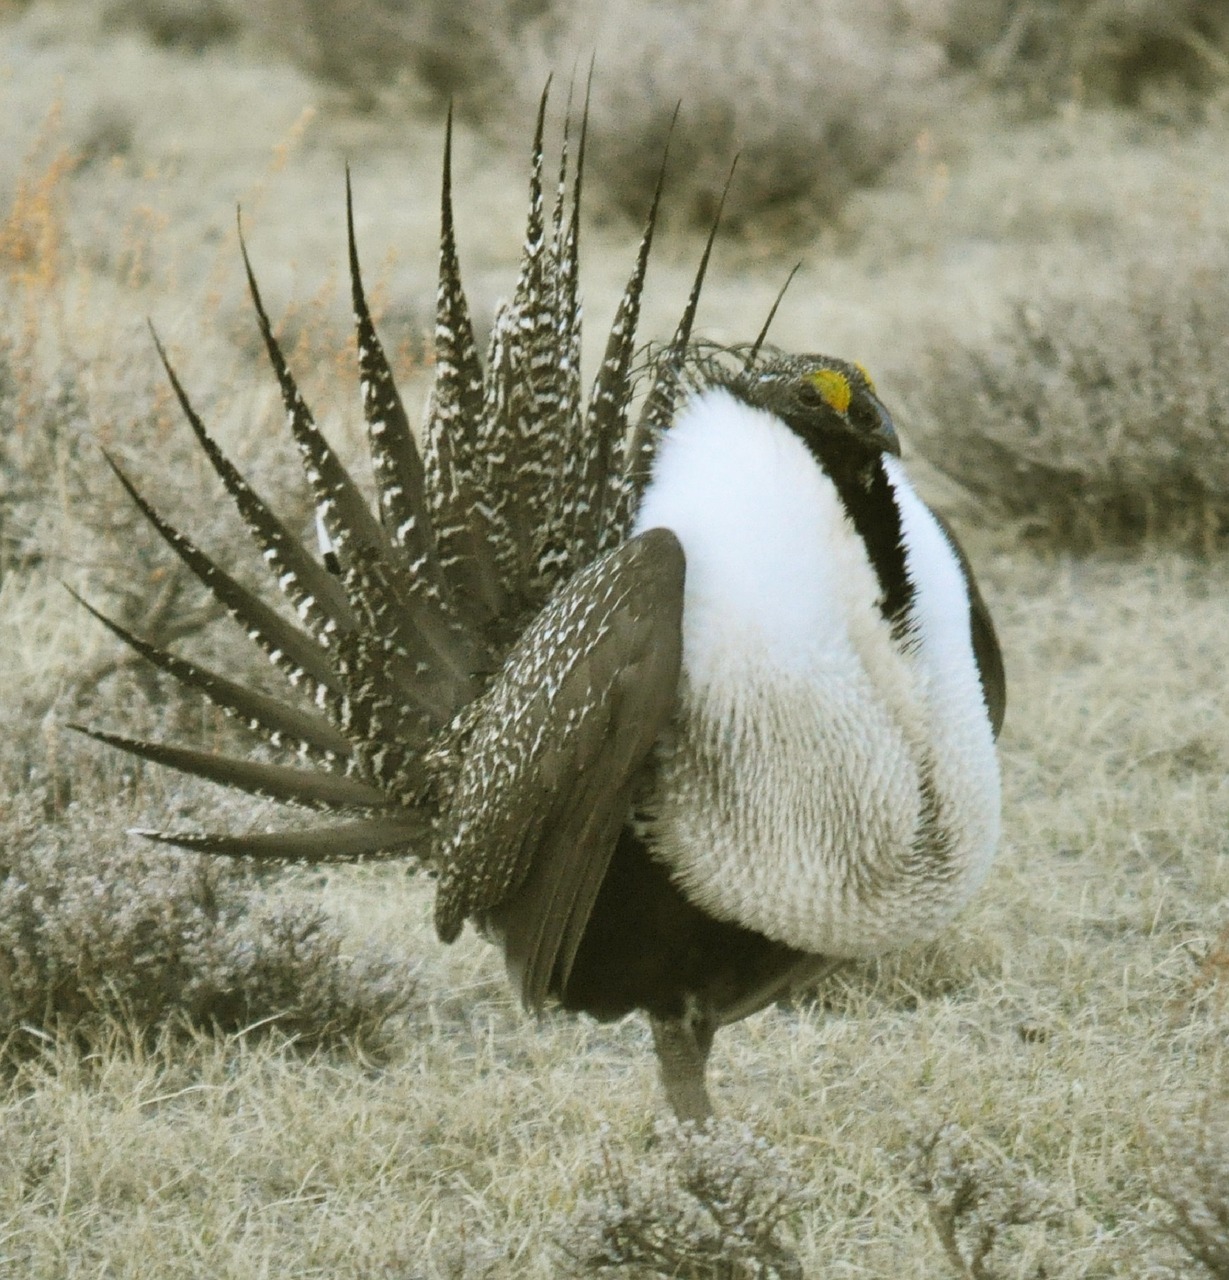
x: 819, y: 396
x: 830, y: 403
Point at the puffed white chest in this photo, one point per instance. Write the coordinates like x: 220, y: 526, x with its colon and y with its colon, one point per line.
x: 822, y: 783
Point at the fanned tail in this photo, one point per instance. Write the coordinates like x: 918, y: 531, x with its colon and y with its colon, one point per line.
x: 522, y: 481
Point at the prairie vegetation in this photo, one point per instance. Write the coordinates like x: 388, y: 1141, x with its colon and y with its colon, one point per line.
x: 208, y: 1072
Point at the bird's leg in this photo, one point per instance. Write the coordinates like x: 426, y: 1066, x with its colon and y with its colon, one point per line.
x: 683, y: 1046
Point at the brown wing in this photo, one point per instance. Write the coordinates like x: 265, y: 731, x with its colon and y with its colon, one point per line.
x: 555, y: 756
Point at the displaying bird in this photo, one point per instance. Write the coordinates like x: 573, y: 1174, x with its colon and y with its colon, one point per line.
x: 677, y: 687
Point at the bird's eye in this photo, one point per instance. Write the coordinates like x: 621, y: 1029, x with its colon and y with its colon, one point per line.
x: 863, y: 417
x: 831, y: 386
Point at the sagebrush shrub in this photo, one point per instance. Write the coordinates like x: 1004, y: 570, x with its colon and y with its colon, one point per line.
x: 1053, y: 50
x: 365, y: 46
x: 94, y: 927
x: 815, y: 99
x: 186, y: 24
x: 1190, y: 1173
x: 704, y: 1203
x: 1099, y: 413
x: 974, y: 1199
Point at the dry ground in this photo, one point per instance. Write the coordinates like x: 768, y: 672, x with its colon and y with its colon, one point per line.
x: 1080, y: 1000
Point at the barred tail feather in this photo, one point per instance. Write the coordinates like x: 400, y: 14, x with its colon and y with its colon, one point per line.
x: 364, y: 839
x: 316, y: 595
x: 317, y: 790
x: 398, y: 468
x: 518, y: 424
x: 596, y: 524
x: 461, y: 526
x: 564, y: 434
x: 281, y: 724
x: 304, y: 662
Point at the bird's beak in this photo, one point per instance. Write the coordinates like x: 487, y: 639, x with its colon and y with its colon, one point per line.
x: 885, y: 431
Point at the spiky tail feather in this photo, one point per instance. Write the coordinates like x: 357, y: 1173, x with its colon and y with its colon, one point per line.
x: 521, y: 483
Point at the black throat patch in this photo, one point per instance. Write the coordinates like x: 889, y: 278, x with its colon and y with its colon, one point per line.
x: 861, y: 480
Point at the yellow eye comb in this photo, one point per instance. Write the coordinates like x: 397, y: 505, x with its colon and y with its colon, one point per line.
x: 833, y: 386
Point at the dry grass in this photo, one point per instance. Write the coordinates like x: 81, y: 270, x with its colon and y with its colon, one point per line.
x: 1047, y: 1024
x: 1082, y: 993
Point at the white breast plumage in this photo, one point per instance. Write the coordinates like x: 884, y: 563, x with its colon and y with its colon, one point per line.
x: 823, y: 783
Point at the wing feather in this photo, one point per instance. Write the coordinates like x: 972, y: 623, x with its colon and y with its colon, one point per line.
x: 556, y: 755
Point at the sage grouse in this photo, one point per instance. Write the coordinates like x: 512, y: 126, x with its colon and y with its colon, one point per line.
x: 677, y: 687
